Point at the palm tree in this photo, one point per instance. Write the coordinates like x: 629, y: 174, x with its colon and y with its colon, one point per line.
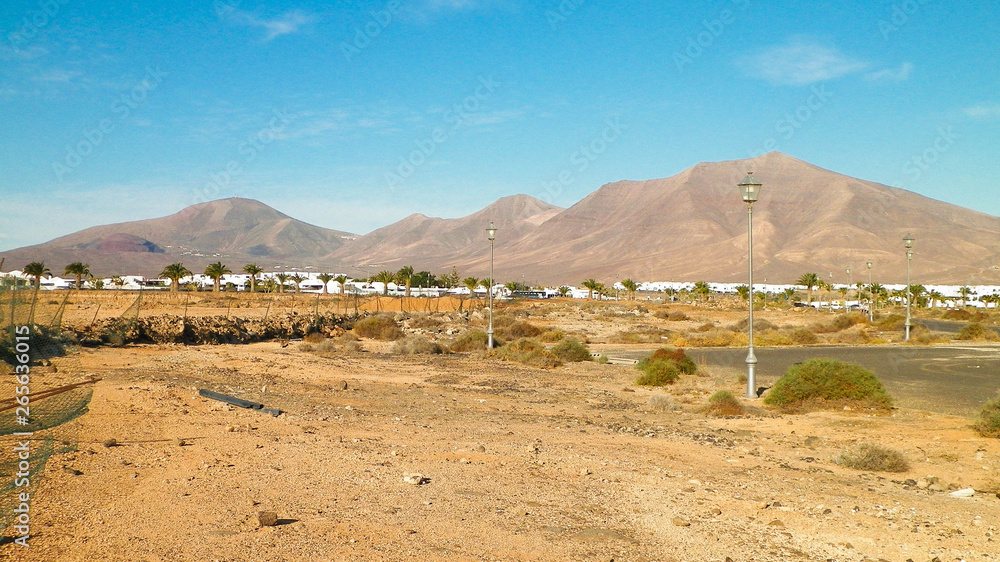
x: 471, y: 283
x: 404, y: 277
x: 702, y: 289
x: 37, y: 270
x: 591, y: 286
x: 325, y: 278
x: 297, y: 278
x: 97, y: 284
x: 384, y: 277
x: 216, y: 271
x: 118, y: 281
x: 789, y: 293
x: 965, y: 292
x: 809, y: 281
x: 743, y: 291
x: 253, y: 270
x: 79, y: 270
x: 843, y: 295
x: 670, y: 292
x: 342, y: 281
x: 934, y: 297
x: 563, y: 291
x: 175, y: 272
x: 282, y: 279
x: 630, y: 286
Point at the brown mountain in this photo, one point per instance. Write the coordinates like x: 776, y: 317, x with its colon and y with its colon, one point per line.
x: 235, y: 231
x: 439, y: 244
x: 693, y: 226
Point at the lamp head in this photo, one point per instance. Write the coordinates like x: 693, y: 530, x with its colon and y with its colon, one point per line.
x: 491, y: 231
x: 908, y: 241
x: 750, y: 188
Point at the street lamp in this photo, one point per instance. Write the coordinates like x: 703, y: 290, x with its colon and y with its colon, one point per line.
x: 491, y: 233
x: 871, y: 294
x: 908, y: 242
x: 750, y: 190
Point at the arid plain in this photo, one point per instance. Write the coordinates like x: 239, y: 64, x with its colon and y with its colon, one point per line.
x: 383, y: 455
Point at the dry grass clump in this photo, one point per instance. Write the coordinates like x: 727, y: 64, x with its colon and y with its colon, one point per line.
x: 957, y: 314
x: 516, y: 330
x: 760, y: 324
x: 529, y: 352
x: 873, y: 457
x: 853, y: 336
x: 378, y: 327
x: 671, y: 315
x: 642, y: 334
x: 660, y: 403
x: 473, y: 340
x: 891, y: 322
x: 826, y: 382
x: 570, y: 350
x: 314, y: 337
x: 423, y: 321
x: 845, y: 321
x: 723, y: 403
x: 552, y: 336
x: 326, y: 347
x: 716, y: 338
x: 988, y: 420
x: 416, y: 345
x: 977, y: 332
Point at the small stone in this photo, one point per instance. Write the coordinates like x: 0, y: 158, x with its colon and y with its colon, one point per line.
x: 681, y: 522
x: 716, y: 511
x: 776, y: 503
x: 464, y: 460
x: 777, y: 523
x: 111, y: 442
x: 72, y: 471
x: 181, y: 442
x: 480, y: 449
x: 584, y: 472
x: 414, y: 478
x: 342, y: 385
x: 963, y: 493
x: 267, y: 518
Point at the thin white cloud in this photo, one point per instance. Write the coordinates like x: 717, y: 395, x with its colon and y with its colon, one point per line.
x: 800, y: 62
x: 892, y: 74
x: 286, y: 24
x: 57, y: 75
x: 983, y: 111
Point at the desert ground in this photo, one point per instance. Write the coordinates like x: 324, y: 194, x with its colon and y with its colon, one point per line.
x: 380, y: 455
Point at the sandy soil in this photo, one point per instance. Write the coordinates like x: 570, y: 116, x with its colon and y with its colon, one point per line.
x: 515, y: 463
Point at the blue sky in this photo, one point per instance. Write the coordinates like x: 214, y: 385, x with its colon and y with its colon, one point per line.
x: 352, y: 115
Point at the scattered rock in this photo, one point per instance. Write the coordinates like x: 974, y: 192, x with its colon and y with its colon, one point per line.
x: 716, y: 511
x: 111, y: 442
x: 342, y: 385
x: 480, y: 449
x: 681, y: 522
x: 72, y: 470
x: 267, y: 518
x: 584, y: 472
x: 776, y: 523
x: 963, y: 493
x: 414, y: 478
x: 181, y: 442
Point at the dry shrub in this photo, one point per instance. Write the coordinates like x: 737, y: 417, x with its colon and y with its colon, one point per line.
x: 768, y: 338
x: 552, y: 336
x: 529, y: 352
x: 803, y: 336
x: 345, y: 343
x: 826, y: 382
x: 892, y: 322
x: 977, y: 332
x: 314, y: 337
x: 473, y: 340
x: 707, y: 326
x: 988, y: 420
x: 957, y: 314
x: 920, y: 333
x: 660, y: 403
x: 758, y: 324
x: 723, y: 403
x: 416, y: 345
x: 516, y: 330
x: 671, y: 315
x: 852, y: 337
x: 643, y: 335
x: 423, y: 321
x: 873, y: 457
x: 379, y: 327
x: 570, y: 350
x: 845, y: 321
x: 717, y: 338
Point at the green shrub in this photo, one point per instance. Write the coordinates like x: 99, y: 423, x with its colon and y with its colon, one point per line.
x: 473, y: 340
x: 378, y: 327
x: 570, y: 350
x: 988, y: 420
x: 530, y: 352
x: 657, y: 373
x: 684, y: 363
x: 723, y: 403
x: 874, y: 457
x: 416, y: 345
x: 977, y: 332
x: 825, y: 380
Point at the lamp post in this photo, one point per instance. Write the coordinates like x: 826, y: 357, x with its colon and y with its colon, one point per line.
x: 491, y: 233
x: 908, y: 242
x: 750, y: 190
x: 871, y: 294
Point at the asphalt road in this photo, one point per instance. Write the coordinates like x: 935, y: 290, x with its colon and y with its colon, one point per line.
x: 953, y: 379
